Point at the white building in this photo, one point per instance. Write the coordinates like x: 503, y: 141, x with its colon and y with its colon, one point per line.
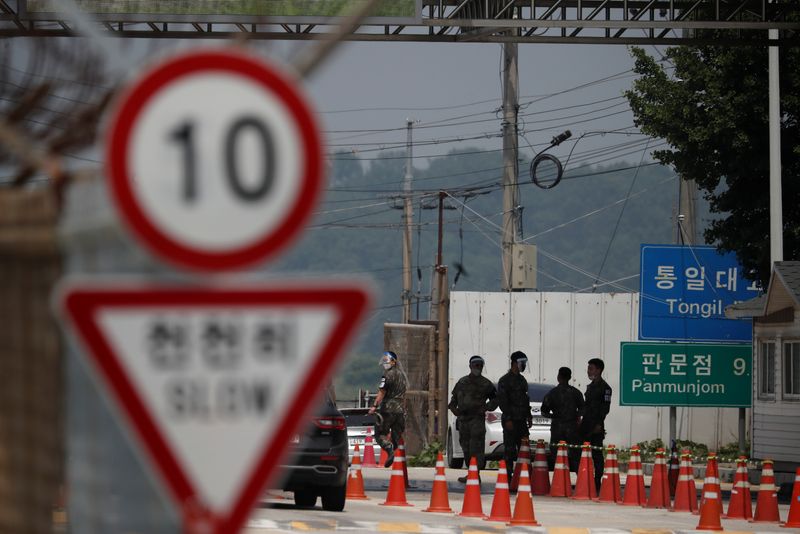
x: 566, y: 329
x: 775, y: 423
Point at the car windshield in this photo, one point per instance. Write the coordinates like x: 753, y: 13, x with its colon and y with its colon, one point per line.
x: 358, y: 418
x: 536, y: 392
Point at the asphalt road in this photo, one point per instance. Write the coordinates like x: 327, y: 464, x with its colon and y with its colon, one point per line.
x: 277, y: 513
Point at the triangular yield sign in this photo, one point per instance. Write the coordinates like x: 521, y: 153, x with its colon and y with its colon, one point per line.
x: 214, y: 381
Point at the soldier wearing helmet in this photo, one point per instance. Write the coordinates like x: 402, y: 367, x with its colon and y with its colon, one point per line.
x: 472, y: 396
x: 512, y: 395
x: 390, y: 404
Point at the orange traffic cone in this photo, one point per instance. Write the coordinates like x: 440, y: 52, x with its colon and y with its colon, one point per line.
x: 369, y: 451
x: 440, y: 502
x: 685, y: 491
x: 767, y: 502
x: 711, y: 504
x: 793, y: 521
x: 541, y: 475
x: 501, y: 504
x: 585, y: 489
x: 397, y: 485
x: 401, y: 447
x: 674, y: 470
x: 659, y: 485
x: 523, y: 507
x: 355, y: 482
x: 384, y: 456
x: 472, y: 506
x: 561, y: 486
x: 740, y: 506
x: 523, y: 461
x: 634, y: 480
x: 610, y: 487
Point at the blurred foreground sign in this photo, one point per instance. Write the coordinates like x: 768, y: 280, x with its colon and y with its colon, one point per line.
x: 685, y: 374
x: 214, y: 159
x: 213, y: 382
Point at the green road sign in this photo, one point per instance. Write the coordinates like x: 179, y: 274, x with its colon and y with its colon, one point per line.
x: 685, y: 374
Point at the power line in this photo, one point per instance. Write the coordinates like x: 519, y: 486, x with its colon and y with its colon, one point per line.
x: 619, y: 218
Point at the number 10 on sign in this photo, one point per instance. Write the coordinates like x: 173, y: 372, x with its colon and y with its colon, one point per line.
x: 214, y: 159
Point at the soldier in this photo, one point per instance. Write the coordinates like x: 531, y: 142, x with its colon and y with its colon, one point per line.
x: 598, y: 404
x: 513, y: 398
x: 563, y: 405
x: 473, y: 395
x: 391, y: 400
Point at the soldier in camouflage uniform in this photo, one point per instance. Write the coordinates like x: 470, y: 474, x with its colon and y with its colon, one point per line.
x: 512, y: 395
x: 391, y: 400
x: 598, y: 404
x: 473, y: 395
x: 563, y: 405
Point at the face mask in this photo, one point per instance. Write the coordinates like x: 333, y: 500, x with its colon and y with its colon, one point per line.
x: 386, y: 362
x: 476, y: 372
x: 523, y: 364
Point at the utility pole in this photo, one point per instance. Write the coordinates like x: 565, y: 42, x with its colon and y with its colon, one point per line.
x: 510, y: 169
x: 685, y: 234
x: 408, y: 216
x: 775, y: 192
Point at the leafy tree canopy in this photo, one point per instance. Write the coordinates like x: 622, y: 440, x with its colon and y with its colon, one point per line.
x: 710, y: 103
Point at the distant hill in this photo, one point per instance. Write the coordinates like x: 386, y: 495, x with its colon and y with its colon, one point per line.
x: 583, y: 223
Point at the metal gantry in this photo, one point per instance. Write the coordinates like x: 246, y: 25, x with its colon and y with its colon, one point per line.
x: 523, y: 21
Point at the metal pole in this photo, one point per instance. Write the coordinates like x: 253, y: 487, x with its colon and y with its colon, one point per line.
x: 742, y: 430
x: 443, y: 348
x: 442, y: 195
x: 408, y: 216
x: 686, y: 233
x: 775, y: 193
x: 673, y: 425
x: 510, y: 170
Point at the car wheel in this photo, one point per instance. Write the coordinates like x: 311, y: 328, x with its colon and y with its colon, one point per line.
x: 305, y: 498
x: 452, y: 463
x: 333, y: 498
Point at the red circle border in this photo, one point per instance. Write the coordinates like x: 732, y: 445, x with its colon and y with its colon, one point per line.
x: 124, y: 119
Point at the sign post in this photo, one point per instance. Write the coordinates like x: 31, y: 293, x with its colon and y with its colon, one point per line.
x: 214, y: 160
x: 684, y: 291
x: 685, y: 374
x: 215, y: 163
x: 213, y: 382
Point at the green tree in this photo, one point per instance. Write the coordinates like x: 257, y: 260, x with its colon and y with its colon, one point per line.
x: 710, y: 103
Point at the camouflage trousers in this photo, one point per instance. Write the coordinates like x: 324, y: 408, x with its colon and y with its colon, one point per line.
x: 512, y: 439
x: 472, y: 438
x: 390, y: 424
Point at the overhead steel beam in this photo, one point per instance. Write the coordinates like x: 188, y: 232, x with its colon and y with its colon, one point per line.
x: 579, y: 21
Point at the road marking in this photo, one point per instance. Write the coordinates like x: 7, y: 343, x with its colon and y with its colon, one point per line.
x: 264, y: 525
x: 399, y: 527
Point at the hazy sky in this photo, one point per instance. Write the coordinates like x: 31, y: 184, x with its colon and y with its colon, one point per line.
x: 454, y: 93
x: 454, y: 90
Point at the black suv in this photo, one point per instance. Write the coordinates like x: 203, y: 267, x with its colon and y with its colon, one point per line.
x: 317, y: 464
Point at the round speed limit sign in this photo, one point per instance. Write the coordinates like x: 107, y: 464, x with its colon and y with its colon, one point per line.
x: 214, y: 159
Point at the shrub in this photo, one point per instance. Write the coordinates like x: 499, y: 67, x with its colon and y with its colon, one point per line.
x: 427, y: 456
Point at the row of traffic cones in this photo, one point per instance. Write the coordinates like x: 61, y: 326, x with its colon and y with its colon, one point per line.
x: 440, y: 501
x: 472, y: 505
x: 710, y: 508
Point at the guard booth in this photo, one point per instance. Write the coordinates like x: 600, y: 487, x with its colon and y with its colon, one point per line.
x: 775, y: 424
x: 416, y: 347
